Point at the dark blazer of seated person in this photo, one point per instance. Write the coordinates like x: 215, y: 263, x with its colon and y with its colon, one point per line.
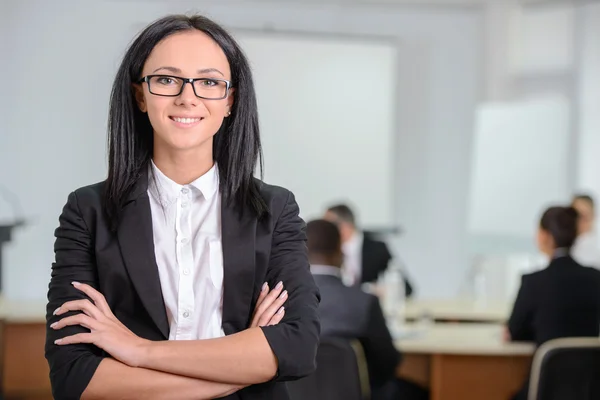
x: 348, y: 312
x: 563, y: 300
x: 372, y: 254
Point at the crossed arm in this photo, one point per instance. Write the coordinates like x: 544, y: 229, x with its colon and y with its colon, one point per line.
x: 141, y: 370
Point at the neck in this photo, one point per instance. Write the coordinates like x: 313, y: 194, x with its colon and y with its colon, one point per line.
x: 183, y: 166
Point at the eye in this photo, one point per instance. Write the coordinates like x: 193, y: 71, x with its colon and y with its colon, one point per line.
x: 166, y: 80
x: 209, y: 82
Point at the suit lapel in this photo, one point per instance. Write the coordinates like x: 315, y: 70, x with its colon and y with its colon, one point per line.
x: 238, y: 231
x: 137, y: 248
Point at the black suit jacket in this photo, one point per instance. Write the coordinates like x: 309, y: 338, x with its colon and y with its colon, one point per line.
x: 122, y: 266
x: 375, y: 260
x: 348, y: 312
x: 560, y: 301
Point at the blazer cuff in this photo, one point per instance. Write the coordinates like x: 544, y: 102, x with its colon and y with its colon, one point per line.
x: 291, y: 365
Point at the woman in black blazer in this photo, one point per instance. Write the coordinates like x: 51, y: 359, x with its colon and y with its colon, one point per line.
x: 562, y: 300
x: 180, y: 201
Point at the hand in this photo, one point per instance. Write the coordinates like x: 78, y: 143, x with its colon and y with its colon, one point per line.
x: 269, y: 308
x: 506, y: 335
x: 106, y: 331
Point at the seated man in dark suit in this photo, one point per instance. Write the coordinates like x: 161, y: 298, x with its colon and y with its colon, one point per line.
x: 562, y: 300
x: 348, y: 312
x: 364, y: 257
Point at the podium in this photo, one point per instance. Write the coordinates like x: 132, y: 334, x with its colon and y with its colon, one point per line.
x: 5, y: 237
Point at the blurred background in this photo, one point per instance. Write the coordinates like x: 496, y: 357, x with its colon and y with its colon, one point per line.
x: 447, y: 125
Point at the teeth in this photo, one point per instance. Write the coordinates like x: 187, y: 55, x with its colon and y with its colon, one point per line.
x: 186, y: 120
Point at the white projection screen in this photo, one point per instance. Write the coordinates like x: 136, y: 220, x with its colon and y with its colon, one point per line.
x: 326, y: 108
x: 520, y: 165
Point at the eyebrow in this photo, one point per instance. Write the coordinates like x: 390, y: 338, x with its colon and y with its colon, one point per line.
x: 200, y: 71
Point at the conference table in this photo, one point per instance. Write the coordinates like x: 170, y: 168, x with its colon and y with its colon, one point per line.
x: 455, y: 360
x: 463, y: 361
x: 457, y: 310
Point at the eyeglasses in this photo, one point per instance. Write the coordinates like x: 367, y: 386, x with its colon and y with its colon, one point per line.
x: 172, y: 86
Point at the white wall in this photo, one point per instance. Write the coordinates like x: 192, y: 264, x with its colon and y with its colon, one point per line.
x: 64, y: 53
x: 589, y: 100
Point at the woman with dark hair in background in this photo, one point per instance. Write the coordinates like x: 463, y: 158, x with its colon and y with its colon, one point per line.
x: 169, y: 276
x: 562, y: 300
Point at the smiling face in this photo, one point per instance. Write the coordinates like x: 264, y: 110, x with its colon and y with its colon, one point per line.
x: 185, y: 122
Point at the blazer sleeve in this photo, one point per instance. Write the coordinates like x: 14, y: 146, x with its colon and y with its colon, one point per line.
x: 295, y: 339
x: 382, y: 356
x: 72, y: 366
x: 519, y: 323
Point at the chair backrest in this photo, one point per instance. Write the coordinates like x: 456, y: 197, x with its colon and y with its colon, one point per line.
x: 363, y: 368
x: 336, y: 377
x: 566, y: 369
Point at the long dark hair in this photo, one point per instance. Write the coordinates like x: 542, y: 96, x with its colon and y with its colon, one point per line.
x: 561, y: 223
x: 236, y: 146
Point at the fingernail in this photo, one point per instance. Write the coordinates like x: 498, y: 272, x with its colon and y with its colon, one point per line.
x: 56, y: 311
x: 283, y: 294
x: 264, y: 287
x: 279, y: 285
x: 75, y: 283
x: 281, y: 310
x: 53, y: 325
x: 57, y: 341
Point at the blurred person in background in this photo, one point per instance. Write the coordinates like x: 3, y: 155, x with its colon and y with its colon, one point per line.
x: 365, y: 258
x: 562, y: 300
x: 348, y: 312
x: 170, y: 277
x: 586, y: 250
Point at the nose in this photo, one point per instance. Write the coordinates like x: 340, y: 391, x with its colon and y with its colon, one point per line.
x: 187, y: 96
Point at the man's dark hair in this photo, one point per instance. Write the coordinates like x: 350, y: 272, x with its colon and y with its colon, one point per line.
x: 323, y: 238
x: 343, y: 213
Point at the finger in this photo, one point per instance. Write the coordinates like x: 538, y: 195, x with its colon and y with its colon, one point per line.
x: 267, y: 302
x: 79, y: 305
x: 277, y: 317
x: 79, y: 319
x: 96, y: 296
x: 263, y: 293
x: 261, y: 297
x: 78, y: 338
x: 272, y: 309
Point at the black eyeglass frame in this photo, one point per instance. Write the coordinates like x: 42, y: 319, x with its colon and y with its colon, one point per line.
x: 187, y: 80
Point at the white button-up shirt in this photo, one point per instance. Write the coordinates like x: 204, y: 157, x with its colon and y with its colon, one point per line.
x: 186, y: 224
x: 352, y: 268
x: 585, y: 250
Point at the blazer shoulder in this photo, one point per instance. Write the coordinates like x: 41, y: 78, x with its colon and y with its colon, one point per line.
x: 276, y: 197
x: 89, y: 196
x: 89, y: 192
x: 272, y: 192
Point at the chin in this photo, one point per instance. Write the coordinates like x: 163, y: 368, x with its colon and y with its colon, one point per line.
x: 187, y: 141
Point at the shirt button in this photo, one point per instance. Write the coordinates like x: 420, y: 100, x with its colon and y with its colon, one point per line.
x: 184, y: 205
x: 184, y: 190
x: 186, y: 314
x: 184, y: 240
x: 186, y: 271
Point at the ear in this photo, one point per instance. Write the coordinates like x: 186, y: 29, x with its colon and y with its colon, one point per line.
x: 138, y: 92
x: 230, y: 100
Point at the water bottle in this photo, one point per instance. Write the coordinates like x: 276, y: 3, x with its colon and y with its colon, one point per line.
x: 394, y: 299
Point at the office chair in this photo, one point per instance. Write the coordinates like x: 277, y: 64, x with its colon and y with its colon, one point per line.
x: 337, y: 375
x: 566, y: 369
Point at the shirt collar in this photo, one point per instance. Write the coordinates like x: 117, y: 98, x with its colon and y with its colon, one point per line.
x: 354, y: 243
x: 167, y: 190
x: 319, y: 269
